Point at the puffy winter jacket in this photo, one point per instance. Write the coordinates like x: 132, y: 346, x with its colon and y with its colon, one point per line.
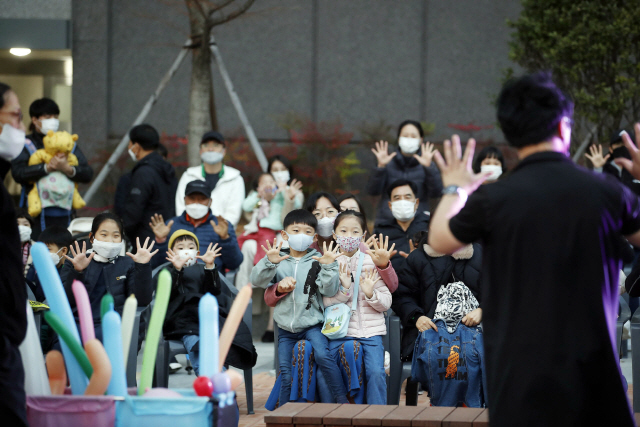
x: 226, y: 198
x: 420, y: 279
x: 399, y: 237
x: 401, y: 167
x: 368, y: 319
x: 153, y: 186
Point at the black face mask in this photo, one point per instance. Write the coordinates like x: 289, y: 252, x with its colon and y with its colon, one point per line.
x: 620, y: 152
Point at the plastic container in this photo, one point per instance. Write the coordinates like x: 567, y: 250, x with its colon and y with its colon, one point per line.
x: 69, y: 410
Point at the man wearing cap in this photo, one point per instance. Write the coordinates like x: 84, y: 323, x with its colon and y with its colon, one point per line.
x: 198, y: 219
x: 226, y: 183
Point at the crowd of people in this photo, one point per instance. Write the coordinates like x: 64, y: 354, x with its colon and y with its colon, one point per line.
x: 486, y: 266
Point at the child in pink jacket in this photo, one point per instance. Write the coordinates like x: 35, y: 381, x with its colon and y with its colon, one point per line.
x: 361, y: 350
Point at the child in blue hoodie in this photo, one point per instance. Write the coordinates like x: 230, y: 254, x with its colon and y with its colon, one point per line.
x: 299, y: 310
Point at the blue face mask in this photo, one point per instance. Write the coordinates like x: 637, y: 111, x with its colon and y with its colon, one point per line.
x: 299, y: 242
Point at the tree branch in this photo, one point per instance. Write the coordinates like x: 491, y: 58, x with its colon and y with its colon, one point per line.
x: 214, y: 8
x: 223, y: 19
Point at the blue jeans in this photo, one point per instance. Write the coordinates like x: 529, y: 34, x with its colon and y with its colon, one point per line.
x: 327, y: 365
x: 450, y: 366
x: 189, y: 341
x: 373, y: 360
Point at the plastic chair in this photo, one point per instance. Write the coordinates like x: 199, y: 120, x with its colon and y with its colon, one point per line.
x: 398, y: 370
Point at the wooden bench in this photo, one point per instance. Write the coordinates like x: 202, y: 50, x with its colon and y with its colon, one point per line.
x: 336, y: 415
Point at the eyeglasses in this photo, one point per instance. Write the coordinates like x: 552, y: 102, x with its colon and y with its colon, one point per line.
x: 17, y: 114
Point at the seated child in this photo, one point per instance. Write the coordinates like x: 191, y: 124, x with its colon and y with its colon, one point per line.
x: 25, y: 226
x: 303, y: 278
x: 58, y: 240
x: 362, y: 348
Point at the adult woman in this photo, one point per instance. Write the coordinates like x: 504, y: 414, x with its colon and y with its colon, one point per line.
x: 412, y: 160
x: 281, y: 169
x: 490, y: 160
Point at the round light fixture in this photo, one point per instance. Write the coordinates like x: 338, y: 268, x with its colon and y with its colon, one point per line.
x: 19, y: 51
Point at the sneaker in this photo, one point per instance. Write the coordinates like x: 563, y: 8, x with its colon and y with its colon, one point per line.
x: 268, y: 336
x: 174, y: 367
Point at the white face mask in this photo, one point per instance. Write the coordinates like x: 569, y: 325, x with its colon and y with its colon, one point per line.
x: 211, y: 157
x: 189, y: 255
x: 107, y: 250
x: 495, y: 170
x: 49, y: 124
x: 299, y: 242
x: 55, y: 257
x: 281, y: 176
x: 409, y: 145
x: 11, y: 142
x: 403, y: 210
x: 325, y: 226
x: 132, y: 155
x: 25, y: 233
x: 196, y: 210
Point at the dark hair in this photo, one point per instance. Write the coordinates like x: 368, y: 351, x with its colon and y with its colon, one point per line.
x: 486, y: 152
x: 310, y: 204
x: 530, y: 108
x: 343, y: 215
x: 146, y: 136
x: 300, y: 216
x: 411, y: 122
x: 23, y: 213
x: 256, y: 182
x: 183, y: 238
x: 399, y: 183
x: 347, y: 196
x: 42, y: 107
x: 286, y: 162
x: 162, y: 150
x: 106, y: 216
x: 4, y: 89
x: 57, y: 235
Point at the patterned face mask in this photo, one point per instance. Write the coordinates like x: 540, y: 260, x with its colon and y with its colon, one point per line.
x: 348, y: 244
x: 455, y: 300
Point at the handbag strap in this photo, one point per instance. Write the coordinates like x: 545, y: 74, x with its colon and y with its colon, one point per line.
x: 356, y: 288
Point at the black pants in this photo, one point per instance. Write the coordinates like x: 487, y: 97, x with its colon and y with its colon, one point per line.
x: 13, y: 401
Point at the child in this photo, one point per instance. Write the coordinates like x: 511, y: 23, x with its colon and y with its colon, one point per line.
x: 25, y: 227
x: 58, y: 240
x: 363, y: 343
x: 103, y: 270
x: 302, y: 284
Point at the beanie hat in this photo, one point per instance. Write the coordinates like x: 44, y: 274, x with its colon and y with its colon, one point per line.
x: 180, y: 233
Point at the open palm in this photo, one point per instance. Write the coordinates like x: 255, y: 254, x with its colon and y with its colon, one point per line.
x: 143, y: 253
x: 80, y: 259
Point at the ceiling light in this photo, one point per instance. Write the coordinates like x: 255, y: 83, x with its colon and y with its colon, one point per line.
x: 19, y: 51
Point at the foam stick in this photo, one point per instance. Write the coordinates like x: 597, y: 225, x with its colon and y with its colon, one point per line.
x: 84, y: 311
x: 57, y: 373
x: 57, y: 300
x: 232, y: 323
x: 66, y: 337
x: 101, y: 368
x: 112, y: 338
x: 209, y: 331
x: 128, y: 320
x: 155, y: 329
x: 105, y: 304
x: 35, y: 374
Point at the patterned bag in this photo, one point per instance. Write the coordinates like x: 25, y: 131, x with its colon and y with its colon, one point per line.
x: 454, y: 301
x: 336, y: 317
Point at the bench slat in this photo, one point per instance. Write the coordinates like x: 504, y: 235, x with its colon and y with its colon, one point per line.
x: 482, y: 420
x: 373, y: 415
x: 462, y: 417
x: 285, y: 413
x: 402, y: 416
x: 315, y: 414
x: 432, y: 416
x: 343, y: 415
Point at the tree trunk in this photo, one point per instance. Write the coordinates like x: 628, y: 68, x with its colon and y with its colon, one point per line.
x: 202, y: 116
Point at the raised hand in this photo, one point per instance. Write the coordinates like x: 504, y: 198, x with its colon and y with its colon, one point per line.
x: 426, y: 154
x: 329, y: 255
x: 371, y: 240
x: 473, y: 318
x: 596, y: 157
x: 456, y: 169
x: 633, y: 165
x: 159, y: 228
x: 221, y: 228
x: 143, y: 253
x: 286, y: 285
x: 411, y: 249
x: 175, y: 259
x: 382, y: 153
x: 345, y: 276
x: 367, y: 281
x: 80, y: 259
x: 423, y: 323
x: 294, y: 188
x: 381, y: 253
x: 209, y: 257
x: 273, y: 252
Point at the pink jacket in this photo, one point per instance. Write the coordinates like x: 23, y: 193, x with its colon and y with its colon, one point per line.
x: 368, y: 319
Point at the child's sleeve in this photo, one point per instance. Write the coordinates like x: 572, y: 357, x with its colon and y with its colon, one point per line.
x: 342, y: 296
x: 328, y: 280
x: 263, y: 273
x: 67, y: 275
x: 271, y: 297
x: 389, y: 277
x: 211, y: 281
x: 381, y: 298
x: 251, y: 201
x: 139, y: 283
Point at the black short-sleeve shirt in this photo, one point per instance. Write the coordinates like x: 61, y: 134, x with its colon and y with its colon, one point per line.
x: 551, y: 258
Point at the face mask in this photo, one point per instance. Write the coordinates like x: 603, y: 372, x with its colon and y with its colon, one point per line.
x: 196, y: 210
x: 132, y: 155
x: 25, y: 233
x: 409, y: 145
x: 189, y: 255
x: 299, y: 242
x: 495, y: 170
x: 325, y: 226
x: 211, y: 157
x: 49, y: 124
x: 11, y: 142
x: 108, y: 250
x: 281, y: 176
x: 403, y: 210
x: 348, y: 244
x: 55, y: 257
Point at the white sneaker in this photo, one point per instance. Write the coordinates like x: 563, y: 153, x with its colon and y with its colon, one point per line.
x: 174, y: 367
x: 387, y: 362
